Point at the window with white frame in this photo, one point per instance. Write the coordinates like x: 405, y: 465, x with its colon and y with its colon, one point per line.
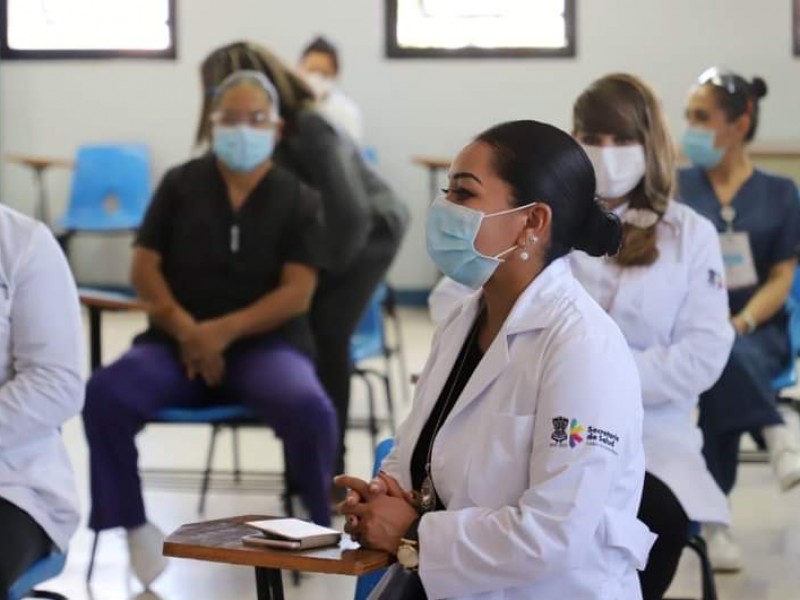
x: 87, y: 28
x: 480, y: 28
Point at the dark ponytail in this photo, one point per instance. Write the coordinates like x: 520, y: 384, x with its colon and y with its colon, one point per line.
x: 601, y: 234
x: 544, y: 164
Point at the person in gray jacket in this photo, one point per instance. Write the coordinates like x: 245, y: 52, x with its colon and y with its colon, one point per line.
x: 365, y: 221
x: 40, y: 388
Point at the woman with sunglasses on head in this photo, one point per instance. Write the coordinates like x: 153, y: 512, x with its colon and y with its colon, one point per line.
x: 664, y: 290
x: 518, y: 473
x: 364, y: 220
x: 757, y: 216
x: 226, y: 261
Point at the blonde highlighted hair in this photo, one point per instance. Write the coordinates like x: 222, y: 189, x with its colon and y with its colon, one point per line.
x: 623, y: 105
x: 293, y: 93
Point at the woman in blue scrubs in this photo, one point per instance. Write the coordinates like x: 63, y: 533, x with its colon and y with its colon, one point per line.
x: 758, y: 217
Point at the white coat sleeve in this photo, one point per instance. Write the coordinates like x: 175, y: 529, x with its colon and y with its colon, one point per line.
x: 46, y: 388
x: 702, y: 335
x: 590, y: 381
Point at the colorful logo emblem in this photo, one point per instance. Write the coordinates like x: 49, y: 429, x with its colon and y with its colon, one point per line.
x: 559, y: 435
x: 576, y: 431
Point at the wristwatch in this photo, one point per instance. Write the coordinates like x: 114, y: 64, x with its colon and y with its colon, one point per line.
x: 408, y: 554
x: 749, y: 321
x: 408, y: 550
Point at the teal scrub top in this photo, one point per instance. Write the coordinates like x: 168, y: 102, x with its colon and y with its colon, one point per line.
x: 767, y: 208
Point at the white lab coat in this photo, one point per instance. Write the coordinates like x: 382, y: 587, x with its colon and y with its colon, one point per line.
x: 528, y: 515
x: 674, y: 315
x: 342, y: 114
x: 445, y: 296
x: 40, y: 374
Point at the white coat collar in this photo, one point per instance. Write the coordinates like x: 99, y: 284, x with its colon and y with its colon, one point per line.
x: 536, y: 308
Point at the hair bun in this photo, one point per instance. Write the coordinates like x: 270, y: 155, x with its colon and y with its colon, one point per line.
x: 759, y: 87
x: 601, y: 234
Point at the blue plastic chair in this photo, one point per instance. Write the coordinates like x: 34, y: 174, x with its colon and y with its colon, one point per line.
x: 42, y: 570
x: 366, y: 583
x: 788, y: 377
x: 369, y: 341
x: 110, y: 189
x: 218, y: 417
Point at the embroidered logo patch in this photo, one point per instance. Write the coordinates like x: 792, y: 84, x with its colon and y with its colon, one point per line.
x: 576, y: 431
x: 715, y: 279
x: 570, y: 432
x: 559, y: 435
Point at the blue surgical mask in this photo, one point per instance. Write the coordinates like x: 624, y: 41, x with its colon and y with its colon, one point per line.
x: 450, y: 235
x: 698, y: 147
x: 242, y: 148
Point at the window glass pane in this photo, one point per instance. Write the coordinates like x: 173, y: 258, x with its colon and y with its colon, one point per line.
x: 88, y: 25
x: 452, y: 24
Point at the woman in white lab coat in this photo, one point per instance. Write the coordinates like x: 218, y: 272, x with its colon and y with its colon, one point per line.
x: 40, y: 388
x: 518, y: 473
x: 665, y: 290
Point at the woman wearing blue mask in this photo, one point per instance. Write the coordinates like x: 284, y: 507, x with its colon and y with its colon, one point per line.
x: 226, y: 261
x: 364, y: 220
x: 664, y: 290
x: 519, y: 471
x: 757, y: 216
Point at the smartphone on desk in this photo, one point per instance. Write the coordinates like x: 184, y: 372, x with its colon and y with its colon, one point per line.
x: 259, y: 539
x: 291, y: 534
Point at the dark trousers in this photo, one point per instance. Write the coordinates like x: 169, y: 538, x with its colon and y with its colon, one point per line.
x: 664, y: 516
x: 23, y: 543
x: 742, y: 400
x: 273, y: 379
x: 339, y: 304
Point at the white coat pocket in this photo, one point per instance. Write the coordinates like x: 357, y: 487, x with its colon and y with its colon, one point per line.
x: 500, y: 460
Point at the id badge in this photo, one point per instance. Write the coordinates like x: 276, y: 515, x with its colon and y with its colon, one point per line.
x: 740, y: 270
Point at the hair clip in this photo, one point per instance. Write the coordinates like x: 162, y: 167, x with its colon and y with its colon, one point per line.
x: 641, y: 218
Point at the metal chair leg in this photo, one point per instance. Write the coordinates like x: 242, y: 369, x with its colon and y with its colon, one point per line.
x: 201, y: 507
x: 373, y: 419
x: 390, y: 307
x: 698, y: 544
x: 237, y: 470
x: 92, y: 556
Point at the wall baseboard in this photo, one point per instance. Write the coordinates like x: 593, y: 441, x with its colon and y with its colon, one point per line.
x: 412, y: 297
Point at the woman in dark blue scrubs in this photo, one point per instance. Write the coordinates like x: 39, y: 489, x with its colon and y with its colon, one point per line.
x: 758, y: 217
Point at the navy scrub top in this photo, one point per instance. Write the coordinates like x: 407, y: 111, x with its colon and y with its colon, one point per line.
x: 767, y: 208
x: 217, y: 261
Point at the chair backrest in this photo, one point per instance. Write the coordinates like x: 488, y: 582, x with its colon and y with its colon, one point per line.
x: 788, y: 376
x: 371, y: 323
x: 45, y: 568
x: 368, y: 340
x: 110, y: 189
x: 366, y: 583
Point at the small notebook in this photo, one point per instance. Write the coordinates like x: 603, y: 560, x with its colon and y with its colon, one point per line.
x: 302, y: 534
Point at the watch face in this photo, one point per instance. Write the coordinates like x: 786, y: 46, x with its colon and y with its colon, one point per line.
x: 408, y: 557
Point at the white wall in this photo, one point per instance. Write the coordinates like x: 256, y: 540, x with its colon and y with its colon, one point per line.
x: 410, y: 106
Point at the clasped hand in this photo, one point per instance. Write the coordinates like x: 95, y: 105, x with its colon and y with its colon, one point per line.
x: 201, y: 347
x: 378, y: 513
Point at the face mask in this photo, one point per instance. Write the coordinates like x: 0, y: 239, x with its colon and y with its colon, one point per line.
x: 319, y: 84
x: 698, y: 147
x: 242, y: 148
x: 450, y: 235
x: 618, y: 169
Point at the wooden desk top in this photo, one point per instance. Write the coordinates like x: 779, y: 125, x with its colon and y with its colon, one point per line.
x: 39, y: 163
x: 432, y: 162
x: 106, y: 300
x: 221, y: 542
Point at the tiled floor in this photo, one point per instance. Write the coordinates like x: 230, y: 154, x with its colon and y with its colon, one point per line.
x: 767, y: 522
